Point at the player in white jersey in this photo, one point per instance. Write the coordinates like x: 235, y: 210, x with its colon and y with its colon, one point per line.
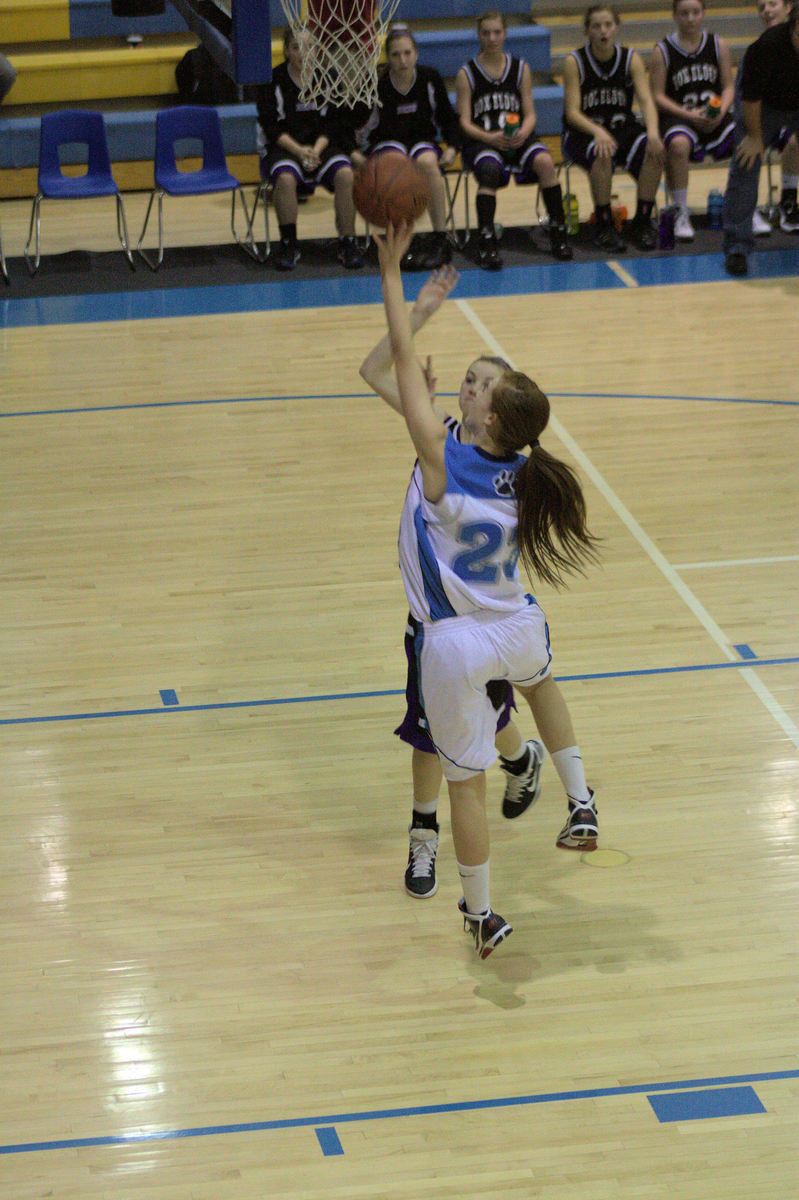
x: 477, y: 622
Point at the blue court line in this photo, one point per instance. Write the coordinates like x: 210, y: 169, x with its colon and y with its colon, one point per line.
x: 169, y: 697
x: 385, y: 1114
x: 745, y: 651
x: 222, y: 400
x: 536, y: 279
x: 332, y: 696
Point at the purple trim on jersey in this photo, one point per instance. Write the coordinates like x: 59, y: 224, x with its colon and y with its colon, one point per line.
x: 307, y: 182
x: 412, y: 151
x: 718, y: 145
x: 521, y: 171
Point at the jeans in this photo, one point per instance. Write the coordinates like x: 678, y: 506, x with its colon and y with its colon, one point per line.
x: 740, y: 198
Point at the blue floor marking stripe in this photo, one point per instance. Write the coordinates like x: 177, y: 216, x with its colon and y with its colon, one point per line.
x: 745, y: 651
x: 385, y: 1114
x: 706, y: 1104
x: 315, y: 293
x: 221, y: 705
x: 169, y: 697
x: 329, y: 1141
x: 222, y: 400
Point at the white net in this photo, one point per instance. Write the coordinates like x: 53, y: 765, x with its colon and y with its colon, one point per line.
x: 341, y: 42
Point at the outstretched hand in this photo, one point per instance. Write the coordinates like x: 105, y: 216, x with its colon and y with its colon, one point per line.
x: 392, y: 244
x: 435, y: 290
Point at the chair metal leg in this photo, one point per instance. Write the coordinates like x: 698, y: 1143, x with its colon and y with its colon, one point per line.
x: 261, y: 197
x: 3, y: 266
x: 153, y: 263
x: 247, y: 243
x: 462, y: 180
x: 122, y: 231
x: 35, y: 224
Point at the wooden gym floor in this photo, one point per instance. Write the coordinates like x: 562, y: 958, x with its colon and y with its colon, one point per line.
x: 213, y: 984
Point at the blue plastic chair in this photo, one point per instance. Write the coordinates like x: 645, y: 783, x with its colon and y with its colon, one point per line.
x: 69, y: 127
x: 197, y: 124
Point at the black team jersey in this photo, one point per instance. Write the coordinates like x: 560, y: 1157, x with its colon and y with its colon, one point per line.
x: 493, y: 97
x: 691, y: 77
x: 606, y: 89
x: 422, y: 114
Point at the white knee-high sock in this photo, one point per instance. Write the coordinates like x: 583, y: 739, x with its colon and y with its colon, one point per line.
x: 475, y: 887
x: 569, y: 765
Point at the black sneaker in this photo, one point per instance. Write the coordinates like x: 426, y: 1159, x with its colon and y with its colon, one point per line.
x: 348, y: 254
x: 436, y: 252
x: 559, y: 243
x: 488, y: 929
x: 582, y: 829
x: 285, y: 255
x: 488, y: 253
x: 606, y: 238
x: 412, y: 259
x: 521, y: 791
x: 788, y: 216
x: 736, y: 264
x: 642, y: 231
x: 420, y: 873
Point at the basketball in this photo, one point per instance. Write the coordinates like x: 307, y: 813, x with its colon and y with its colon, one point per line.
x: 389, y: 188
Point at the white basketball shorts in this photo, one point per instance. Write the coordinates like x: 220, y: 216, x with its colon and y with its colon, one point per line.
x: 457, y: 657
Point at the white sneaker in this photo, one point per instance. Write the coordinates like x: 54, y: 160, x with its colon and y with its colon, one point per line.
x: 760, y: 226
x: 683, y: 229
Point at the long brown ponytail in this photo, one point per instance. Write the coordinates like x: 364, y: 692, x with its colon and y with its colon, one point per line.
x: 554, y: 538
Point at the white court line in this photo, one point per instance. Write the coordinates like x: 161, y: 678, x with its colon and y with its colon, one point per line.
x: 736, y: 562
x: 646, y: 543
x: 623, y: 275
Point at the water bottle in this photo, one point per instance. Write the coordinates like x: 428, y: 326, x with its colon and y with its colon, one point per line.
x: 715, y: 208
x: 509, y: 123
x: 666, y: 227
x: 713, y: 107
x: 618, y: 213
x: 572, y: 214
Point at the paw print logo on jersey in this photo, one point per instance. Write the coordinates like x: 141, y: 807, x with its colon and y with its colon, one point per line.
x: 505, y: 483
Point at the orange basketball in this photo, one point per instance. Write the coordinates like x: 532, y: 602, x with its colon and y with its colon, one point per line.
x: 389, y: 188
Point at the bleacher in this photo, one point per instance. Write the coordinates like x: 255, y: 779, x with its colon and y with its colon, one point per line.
x: 76, y: 53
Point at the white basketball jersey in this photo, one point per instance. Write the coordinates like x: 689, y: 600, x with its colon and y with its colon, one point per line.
x: 460, y: 555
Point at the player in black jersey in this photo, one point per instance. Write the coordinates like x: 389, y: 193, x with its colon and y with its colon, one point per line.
x: 601, y: 131
x: 304, y: 146
x: 413, y: 115
x: 490, y: 90
x: 689, y: 68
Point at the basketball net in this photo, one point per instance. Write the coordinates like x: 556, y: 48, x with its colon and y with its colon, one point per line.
x: 341, y: 41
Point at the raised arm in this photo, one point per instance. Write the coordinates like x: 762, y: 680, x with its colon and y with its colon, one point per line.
x: 427, y: 433
x: 377, y: 369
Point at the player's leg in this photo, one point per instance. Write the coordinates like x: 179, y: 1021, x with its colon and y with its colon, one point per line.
x: 472, y: 847
x: 344, y: 209
x: 554, y: 723
x: 437, y: 250
x: 789, y: 211
x: 678, y: 159
x: 285, y: 255
x: 646, y: 169
x: 543, y: 168
x: 491, y: 174
x: 600, y: 179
